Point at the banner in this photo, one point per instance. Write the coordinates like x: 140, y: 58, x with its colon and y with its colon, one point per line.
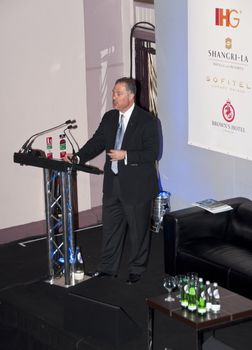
x: 220, y: 76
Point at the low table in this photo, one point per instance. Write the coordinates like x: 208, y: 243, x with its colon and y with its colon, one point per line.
x: 234, y: 309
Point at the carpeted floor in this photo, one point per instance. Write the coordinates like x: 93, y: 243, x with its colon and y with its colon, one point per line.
x: 99, y: 314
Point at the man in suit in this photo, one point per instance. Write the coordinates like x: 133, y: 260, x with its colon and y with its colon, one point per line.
x: 129, y: 189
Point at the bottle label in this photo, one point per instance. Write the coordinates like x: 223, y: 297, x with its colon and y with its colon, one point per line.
x: 202, y: 301
x: 201, y: 310
x: 192, y: 291
x: 216, y: 294
x: 49, y: 155
x: 208, y: 306
x: 215, y: 308
x: 79, y: 258
x: 62, y: 142
x: 184, y: 303
x: 192, y: 307
x: 62, y: 145
x: 49, y: 142
x: 79, y: 275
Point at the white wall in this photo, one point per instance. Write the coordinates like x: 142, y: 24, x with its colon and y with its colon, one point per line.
x: 42, y: 69
x: 59, y: 60
x: 188, y: 172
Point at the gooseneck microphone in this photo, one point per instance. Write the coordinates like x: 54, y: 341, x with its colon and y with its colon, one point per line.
x: 78, y: 147
x: 68, y: 128
x: 27, y: 145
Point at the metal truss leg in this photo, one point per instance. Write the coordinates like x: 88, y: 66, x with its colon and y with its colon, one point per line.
x: 68, y: 232
x: 49, y: 222
x: 59, y: 221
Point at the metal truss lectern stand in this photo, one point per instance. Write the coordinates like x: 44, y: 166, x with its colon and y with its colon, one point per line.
x: 64, y: 172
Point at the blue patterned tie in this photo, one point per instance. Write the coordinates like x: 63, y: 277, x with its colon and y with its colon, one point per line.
x: 118, y: 142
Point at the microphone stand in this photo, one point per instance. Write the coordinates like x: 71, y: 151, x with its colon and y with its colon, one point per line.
x: 27, y: 145
x: 68, y: 128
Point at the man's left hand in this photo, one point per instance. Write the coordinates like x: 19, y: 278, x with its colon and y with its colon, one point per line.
x: 116, y: 154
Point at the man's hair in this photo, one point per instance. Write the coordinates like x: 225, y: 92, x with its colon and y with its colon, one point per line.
x: 130, y: 84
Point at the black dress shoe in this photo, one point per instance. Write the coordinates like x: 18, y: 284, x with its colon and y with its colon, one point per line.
x: 103, y: 274
x: 133, y: 278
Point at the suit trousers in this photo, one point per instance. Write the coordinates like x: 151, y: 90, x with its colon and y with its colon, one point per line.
x: 119, y: 219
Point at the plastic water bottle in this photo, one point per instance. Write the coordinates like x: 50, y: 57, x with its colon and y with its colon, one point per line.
x: 209, y: 295
x: 216, y: 299
x: 79, y: 265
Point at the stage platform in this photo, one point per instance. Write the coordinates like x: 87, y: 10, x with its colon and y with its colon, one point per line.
x: 94, y: 314
x: 98, y: 314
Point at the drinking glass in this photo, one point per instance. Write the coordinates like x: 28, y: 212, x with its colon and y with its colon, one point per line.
x: 169, y: 284
x: 179, y: 283
x: 193, y: 276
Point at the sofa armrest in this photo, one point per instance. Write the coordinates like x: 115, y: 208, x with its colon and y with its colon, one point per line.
x: 182, y: 226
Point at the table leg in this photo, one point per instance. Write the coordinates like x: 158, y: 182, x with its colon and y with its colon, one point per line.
x: 150, y: 328
x: 199, y: 340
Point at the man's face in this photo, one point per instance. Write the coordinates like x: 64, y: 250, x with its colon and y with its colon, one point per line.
x: 122, y: 99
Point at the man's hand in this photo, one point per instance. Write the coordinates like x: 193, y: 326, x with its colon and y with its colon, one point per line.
x: 116, y: 154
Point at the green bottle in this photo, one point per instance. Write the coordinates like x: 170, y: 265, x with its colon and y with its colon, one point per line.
x: 201, y: 298
x: 192, y: 297
x: 184, y: 293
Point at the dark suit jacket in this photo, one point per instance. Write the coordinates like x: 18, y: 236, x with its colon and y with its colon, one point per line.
x: 138, y: 179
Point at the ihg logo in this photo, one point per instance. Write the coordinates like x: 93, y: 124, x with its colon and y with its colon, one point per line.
x: 226, y: 18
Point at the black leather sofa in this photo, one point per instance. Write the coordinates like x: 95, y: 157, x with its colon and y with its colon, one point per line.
x: 217, y: 246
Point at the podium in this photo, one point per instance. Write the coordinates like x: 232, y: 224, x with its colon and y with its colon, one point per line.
x: 65, y: 171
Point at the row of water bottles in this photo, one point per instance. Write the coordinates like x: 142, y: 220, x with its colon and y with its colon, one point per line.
x: 197, y: 296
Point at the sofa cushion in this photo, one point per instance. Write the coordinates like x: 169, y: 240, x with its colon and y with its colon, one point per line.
x: 240, y: 227
x: 200, y: 258
x: 190, y: 228
x: 209, y: 255
x: 223, y: 254
x: 240, y: 283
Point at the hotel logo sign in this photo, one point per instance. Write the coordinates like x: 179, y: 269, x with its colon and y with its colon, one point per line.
x: 228, y: 112
x: 227, y: 18
x: 228, y: 43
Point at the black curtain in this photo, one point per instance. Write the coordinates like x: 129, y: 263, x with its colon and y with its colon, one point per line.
x: 143, y: 34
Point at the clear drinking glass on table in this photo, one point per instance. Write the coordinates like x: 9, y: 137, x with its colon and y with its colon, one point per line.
x: 193, y: 276
x: 169, y: 283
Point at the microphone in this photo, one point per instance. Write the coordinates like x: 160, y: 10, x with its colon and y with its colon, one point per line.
x: 27, y: 145
x: 68, y: 128
x: 73, y: 127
